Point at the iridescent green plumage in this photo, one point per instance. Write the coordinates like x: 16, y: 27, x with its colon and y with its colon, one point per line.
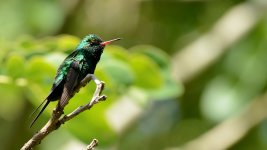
x: 74, y: 69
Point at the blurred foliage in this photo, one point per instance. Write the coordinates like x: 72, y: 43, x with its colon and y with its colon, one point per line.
x: 146, y: 108
x: 244, y: 67
x: 29, y: 74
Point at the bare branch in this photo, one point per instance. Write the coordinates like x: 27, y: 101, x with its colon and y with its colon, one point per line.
x: 55, y: 121
x: 93, y: 144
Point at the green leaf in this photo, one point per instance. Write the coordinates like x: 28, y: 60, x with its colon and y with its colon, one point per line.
x: 11, y: 101
x: 26, y: 43
x: 156, y: 54
x: 170, y: 89
x: 15, y: 66
x: 147, y: 73
x: 40, y: 71
x: 67, y: 42
x: 118, y: 71
x: 118, y: 52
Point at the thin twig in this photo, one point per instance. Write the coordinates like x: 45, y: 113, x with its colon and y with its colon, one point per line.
x: 55, y: 121
x: 92, y: 145
x: 96, y: 98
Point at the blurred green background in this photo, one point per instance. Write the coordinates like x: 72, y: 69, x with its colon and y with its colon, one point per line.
x: 188, y: 74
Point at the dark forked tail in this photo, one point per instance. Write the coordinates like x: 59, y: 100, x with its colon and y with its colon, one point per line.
x: 43, y: 108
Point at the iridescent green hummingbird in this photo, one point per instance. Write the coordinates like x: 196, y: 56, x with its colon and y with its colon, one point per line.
x: 74, y: 69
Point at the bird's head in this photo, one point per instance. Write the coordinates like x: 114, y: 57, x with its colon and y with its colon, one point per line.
x: 93, y: 43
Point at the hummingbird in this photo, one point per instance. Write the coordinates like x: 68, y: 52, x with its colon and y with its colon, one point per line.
x: 73, y: 70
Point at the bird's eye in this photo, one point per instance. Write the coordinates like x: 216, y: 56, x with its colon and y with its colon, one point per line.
x: 93, y: 43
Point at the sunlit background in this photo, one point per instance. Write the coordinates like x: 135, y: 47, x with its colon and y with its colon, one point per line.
x: 188, y: 74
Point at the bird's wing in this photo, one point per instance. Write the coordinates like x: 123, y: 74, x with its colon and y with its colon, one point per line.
x: 54, y: 90
x: 70, y: 84
x: 59, y: 76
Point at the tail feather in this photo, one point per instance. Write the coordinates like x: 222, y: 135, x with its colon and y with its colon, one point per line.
x: 35, y: 110
x: 43, y: 108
